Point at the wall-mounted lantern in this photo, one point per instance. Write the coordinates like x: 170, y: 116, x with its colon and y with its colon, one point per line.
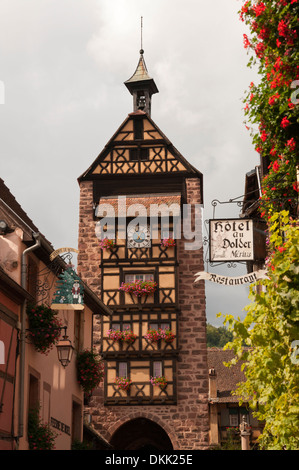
x: 65, y: 349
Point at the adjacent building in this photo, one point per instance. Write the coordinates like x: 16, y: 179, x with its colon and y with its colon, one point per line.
x: 30, y: 379
x: 225, y: 410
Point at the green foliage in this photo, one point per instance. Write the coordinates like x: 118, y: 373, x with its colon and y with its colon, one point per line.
x: 269, y: 330
x: 218, y: 337
x: 40, y: 435
x: 78, y: 445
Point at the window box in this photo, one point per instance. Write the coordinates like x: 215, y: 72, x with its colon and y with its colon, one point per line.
x: 107, y: 243
x: 155, y: 335
x: 126, y: 336
x: 139, y: 285
x: 159, y: 381
x: 123, y: 383
x: 168, y: 242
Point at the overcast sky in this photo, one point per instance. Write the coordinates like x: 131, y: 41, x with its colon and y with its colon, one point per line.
x: 63, y: 64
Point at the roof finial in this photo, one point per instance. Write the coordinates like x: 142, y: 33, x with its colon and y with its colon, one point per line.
x: 141, y: 28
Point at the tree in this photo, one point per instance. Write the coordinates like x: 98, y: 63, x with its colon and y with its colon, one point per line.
x: 271, y: 326
x: 218, y: 337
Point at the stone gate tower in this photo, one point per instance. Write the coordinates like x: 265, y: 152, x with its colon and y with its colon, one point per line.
x: 137, y: 196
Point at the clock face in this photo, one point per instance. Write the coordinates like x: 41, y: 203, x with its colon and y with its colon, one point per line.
x: 139, y: 236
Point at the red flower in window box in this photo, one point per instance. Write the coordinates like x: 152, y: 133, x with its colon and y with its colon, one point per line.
x: 127, y: 335
x: 139, y: 288
x: 123, y: 383
x: 169, y: 242
x: 107, y: 243
x: 160, y: 381
x: 154, y: 335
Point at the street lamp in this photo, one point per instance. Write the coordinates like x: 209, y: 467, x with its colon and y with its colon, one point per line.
x: 64, y: 349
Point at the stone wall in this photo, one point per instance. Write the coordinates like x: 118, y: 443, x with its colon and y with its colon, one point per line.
x: 187, y: 422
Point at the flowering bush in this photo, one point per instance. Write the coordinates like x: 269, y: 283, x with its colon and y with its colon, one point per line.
x: 160, y: 381
x: 40, y: 435
x: 106, y: 243
x: 155, y: 335
x: 168, y: 242
x: 123, y: 383
x: 44, y: 327
x: 270, y: 326
x: 274, y: 43
x: 139, y: 288
x: 90, y: 370
x: 127, y: 335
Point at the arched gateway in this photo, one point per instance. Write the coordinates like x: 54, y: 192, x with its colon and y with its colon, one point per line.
x: 141, y: 434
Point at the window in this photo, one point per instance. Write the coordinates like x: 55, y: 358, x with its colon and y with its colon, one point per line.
x: 33, y: 391
x: 32, y: 275
x: 144, y: 154
x: 123, y: 370
x: 156, y: 326
x: 76, y: 421
x: 139, y: 277
x: 139, y: 154
x: 157, y: 369
x: 138, y: 129
x: 134, y: 155
x: 77, y: 329
x: 123, y: 326
x: 233, y: 417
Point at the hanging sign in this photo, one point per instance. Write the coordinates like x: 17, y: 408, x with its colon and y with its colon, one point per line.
x: 69, y: 294
x: 231, y: 240
x: 232, y: 281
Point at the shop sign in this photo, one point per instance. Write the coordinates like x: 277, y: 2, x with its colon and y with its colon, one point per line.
x: 231, y: 281
x: 60, y: 426
x: 231, y: 240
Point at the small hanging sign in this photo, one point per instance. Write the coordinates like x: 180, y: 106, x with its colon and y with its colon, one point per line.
x: 62, y: 250
x: 69, y: 294
x: 232, y: 281
x: 231, y: 240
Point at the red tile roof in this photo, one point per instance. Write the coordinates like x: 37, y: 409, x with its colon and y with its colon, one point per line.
x: 227, y: 377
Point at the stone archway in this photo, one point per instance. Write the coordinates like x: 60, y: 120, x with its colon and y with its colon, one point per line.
x: 141, y: 434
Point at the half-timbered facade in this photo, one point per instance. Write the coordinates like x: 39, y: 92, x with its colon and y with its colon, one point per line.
x: 139, y: 251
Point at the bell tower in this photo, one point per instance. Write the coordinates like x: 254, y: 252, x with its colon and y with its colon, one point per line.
x: 155, y: 390
x: 142, y: 87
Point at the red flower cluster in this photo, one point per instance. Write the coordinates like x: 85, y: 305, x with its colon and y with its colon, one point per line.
x: 44, y: 327
x: 90, y: 370
x: 274, y: 41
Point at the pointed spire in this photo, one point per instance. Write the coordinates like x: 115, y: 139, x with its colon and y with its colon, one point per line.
x: 141, y: 85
